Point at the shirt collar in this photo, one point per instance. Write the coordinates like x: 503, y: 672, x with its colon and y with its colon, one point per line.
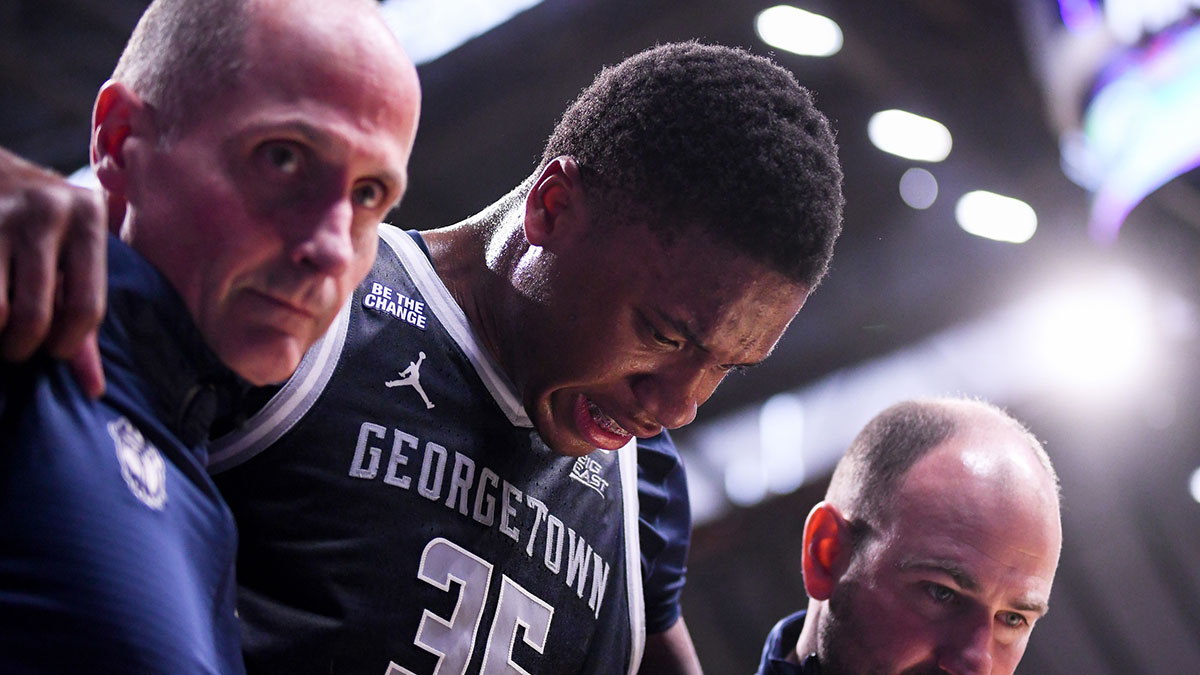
x: 149, y: 331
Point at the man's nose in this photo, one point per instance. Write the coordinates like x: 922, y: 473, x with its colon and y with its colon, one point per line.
x: 969, y: 652
x: 324, y: 246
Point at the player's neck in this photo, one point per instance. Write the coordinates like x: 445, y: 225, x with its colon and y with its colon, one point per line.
x: 471, y: 259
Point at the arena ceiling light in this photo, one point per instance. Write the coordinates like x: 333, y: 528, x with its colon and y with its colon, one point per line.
x: 798, y: 31
x: 428, y: 30
x: 918, y: 188
x: 992, y: 216
x: 1097, y: 338
x: 909, y: 135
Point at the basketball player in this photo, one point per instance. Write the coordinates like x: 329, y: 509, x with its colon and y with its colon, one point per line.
x: 523, y: 509
x: 252, y: 147
x: 469, y: 523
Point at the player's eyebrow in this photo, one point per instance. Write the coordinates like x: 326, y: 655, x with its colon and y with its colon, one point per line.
x: 681, y: 326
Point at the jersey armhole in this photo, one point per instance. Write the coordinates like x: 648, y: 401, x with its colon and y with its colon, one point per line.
x: 289, y: 405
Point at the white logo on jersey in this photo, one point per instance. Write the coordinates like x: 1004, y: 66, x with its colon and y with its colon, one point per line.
x: 142, y: 466
x: 411, y: 377
x: 392, y: 302
x: 590, y: 472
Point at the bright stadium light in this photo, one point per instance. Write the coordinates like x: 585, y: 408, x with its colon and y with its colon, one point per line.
x: 1096, y: 338
x: 798, y: 31
x: 909, y: 135
x: 992, y: 216
x: 781, y: 431
x: 427, y: 30
x: 1194, y: 485
x: 745, y: 481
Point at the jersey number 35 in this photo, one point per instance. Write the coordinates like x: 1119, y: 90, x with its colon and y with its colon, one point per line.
x: 453, y: 640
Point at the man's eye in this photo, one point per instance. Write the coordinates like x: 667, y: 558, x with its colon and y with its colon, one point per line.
x: 369, y: 194
x: 282, y: 156
x: 1012, y: 619
x: 940, y: 594
x: 663, y: 339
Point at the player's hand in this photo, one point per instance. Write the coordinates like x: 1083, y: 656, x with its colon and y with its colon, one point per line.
x: 52, y: 276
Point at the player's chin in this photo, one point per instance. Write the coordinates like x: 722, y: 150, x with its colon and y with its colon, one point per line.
x: 576, y: 449
x: 577, y: 430
x: 561, y: 439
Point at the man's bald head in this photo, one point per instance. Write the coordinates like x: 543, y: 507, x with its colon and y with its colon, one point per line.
x: 936, y: 547
x: 183, y: 53
x: 867, y: 476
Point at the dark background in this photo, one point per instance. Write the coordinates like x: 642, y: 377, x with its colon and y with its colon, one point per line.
x: 1127, y: 597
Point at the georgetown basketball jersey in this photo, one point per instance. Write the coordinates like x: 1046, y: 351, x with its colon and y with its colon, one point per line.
x: 407, y: 518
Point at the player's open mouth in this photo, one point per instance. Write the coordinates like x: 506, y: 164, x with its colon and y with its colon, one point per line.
x: 597, y: 427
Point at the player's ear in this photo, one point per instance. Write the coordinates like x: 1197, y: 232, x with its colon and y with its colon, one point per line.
x: 118, y: 116
x: 552, y: 205
x: 828, y: 546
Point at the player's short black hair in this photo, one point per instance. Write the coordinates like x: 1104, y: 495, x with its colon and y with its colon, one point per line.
x: 686, y: 135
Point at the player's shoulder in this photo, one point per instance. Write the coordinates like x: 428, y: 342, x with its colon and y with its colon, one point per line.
x: 657, y: 455
x: 662, y: 486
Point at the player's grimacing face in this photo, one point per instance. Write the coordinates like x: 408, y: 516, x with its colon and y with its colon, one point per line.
x: 637, y: 334
x: 264, y: 214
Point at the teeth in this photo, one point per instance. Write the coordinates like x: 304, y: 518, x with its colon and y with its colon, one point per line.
x: 605, y: 421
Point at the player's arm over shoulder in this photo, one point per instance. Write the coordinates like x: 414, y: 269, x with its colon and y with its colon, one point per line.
x: 52, y: 282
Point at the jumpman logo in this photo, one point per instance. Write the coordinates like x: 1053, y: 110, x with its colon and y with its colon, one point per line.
x: 411, y: 377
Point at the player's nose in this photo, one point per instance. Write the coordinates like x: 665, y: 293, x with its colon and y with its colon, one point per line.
x: 672, y: 395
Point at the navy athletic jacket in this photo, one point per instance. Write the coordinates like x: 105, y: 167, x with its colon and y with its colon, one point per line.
x: 116, y: 551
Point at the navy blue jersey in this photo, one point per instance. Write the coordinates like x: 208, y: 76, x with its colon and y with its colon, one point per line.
x: 780, y: 643
x: 116, y: 551
x: 399, y: 513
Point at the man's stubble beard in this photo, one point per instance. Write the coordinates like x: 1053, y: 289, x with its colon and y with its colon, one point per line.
x: 837, y: 641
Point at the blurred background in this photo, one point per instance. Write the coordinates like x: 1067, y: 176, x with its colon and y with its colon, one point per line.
x: 1022, y: 224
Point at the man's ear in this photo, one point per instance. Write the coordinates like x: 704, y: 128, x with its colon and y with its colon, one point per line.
x: 828, y: 546
x: 554, y: 203
x: 118, y: 115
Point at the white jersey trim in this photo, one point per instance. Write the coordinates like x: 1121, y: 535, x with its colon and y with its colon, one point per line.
x: 627, y: 463
x: 442, y: 303
x: 289, y: 404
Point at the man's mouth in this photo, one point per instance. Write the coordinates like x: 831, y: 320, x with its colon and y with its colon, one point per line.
x: 605, y: 421
x: 597, y: 427
x: 285, y: 305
